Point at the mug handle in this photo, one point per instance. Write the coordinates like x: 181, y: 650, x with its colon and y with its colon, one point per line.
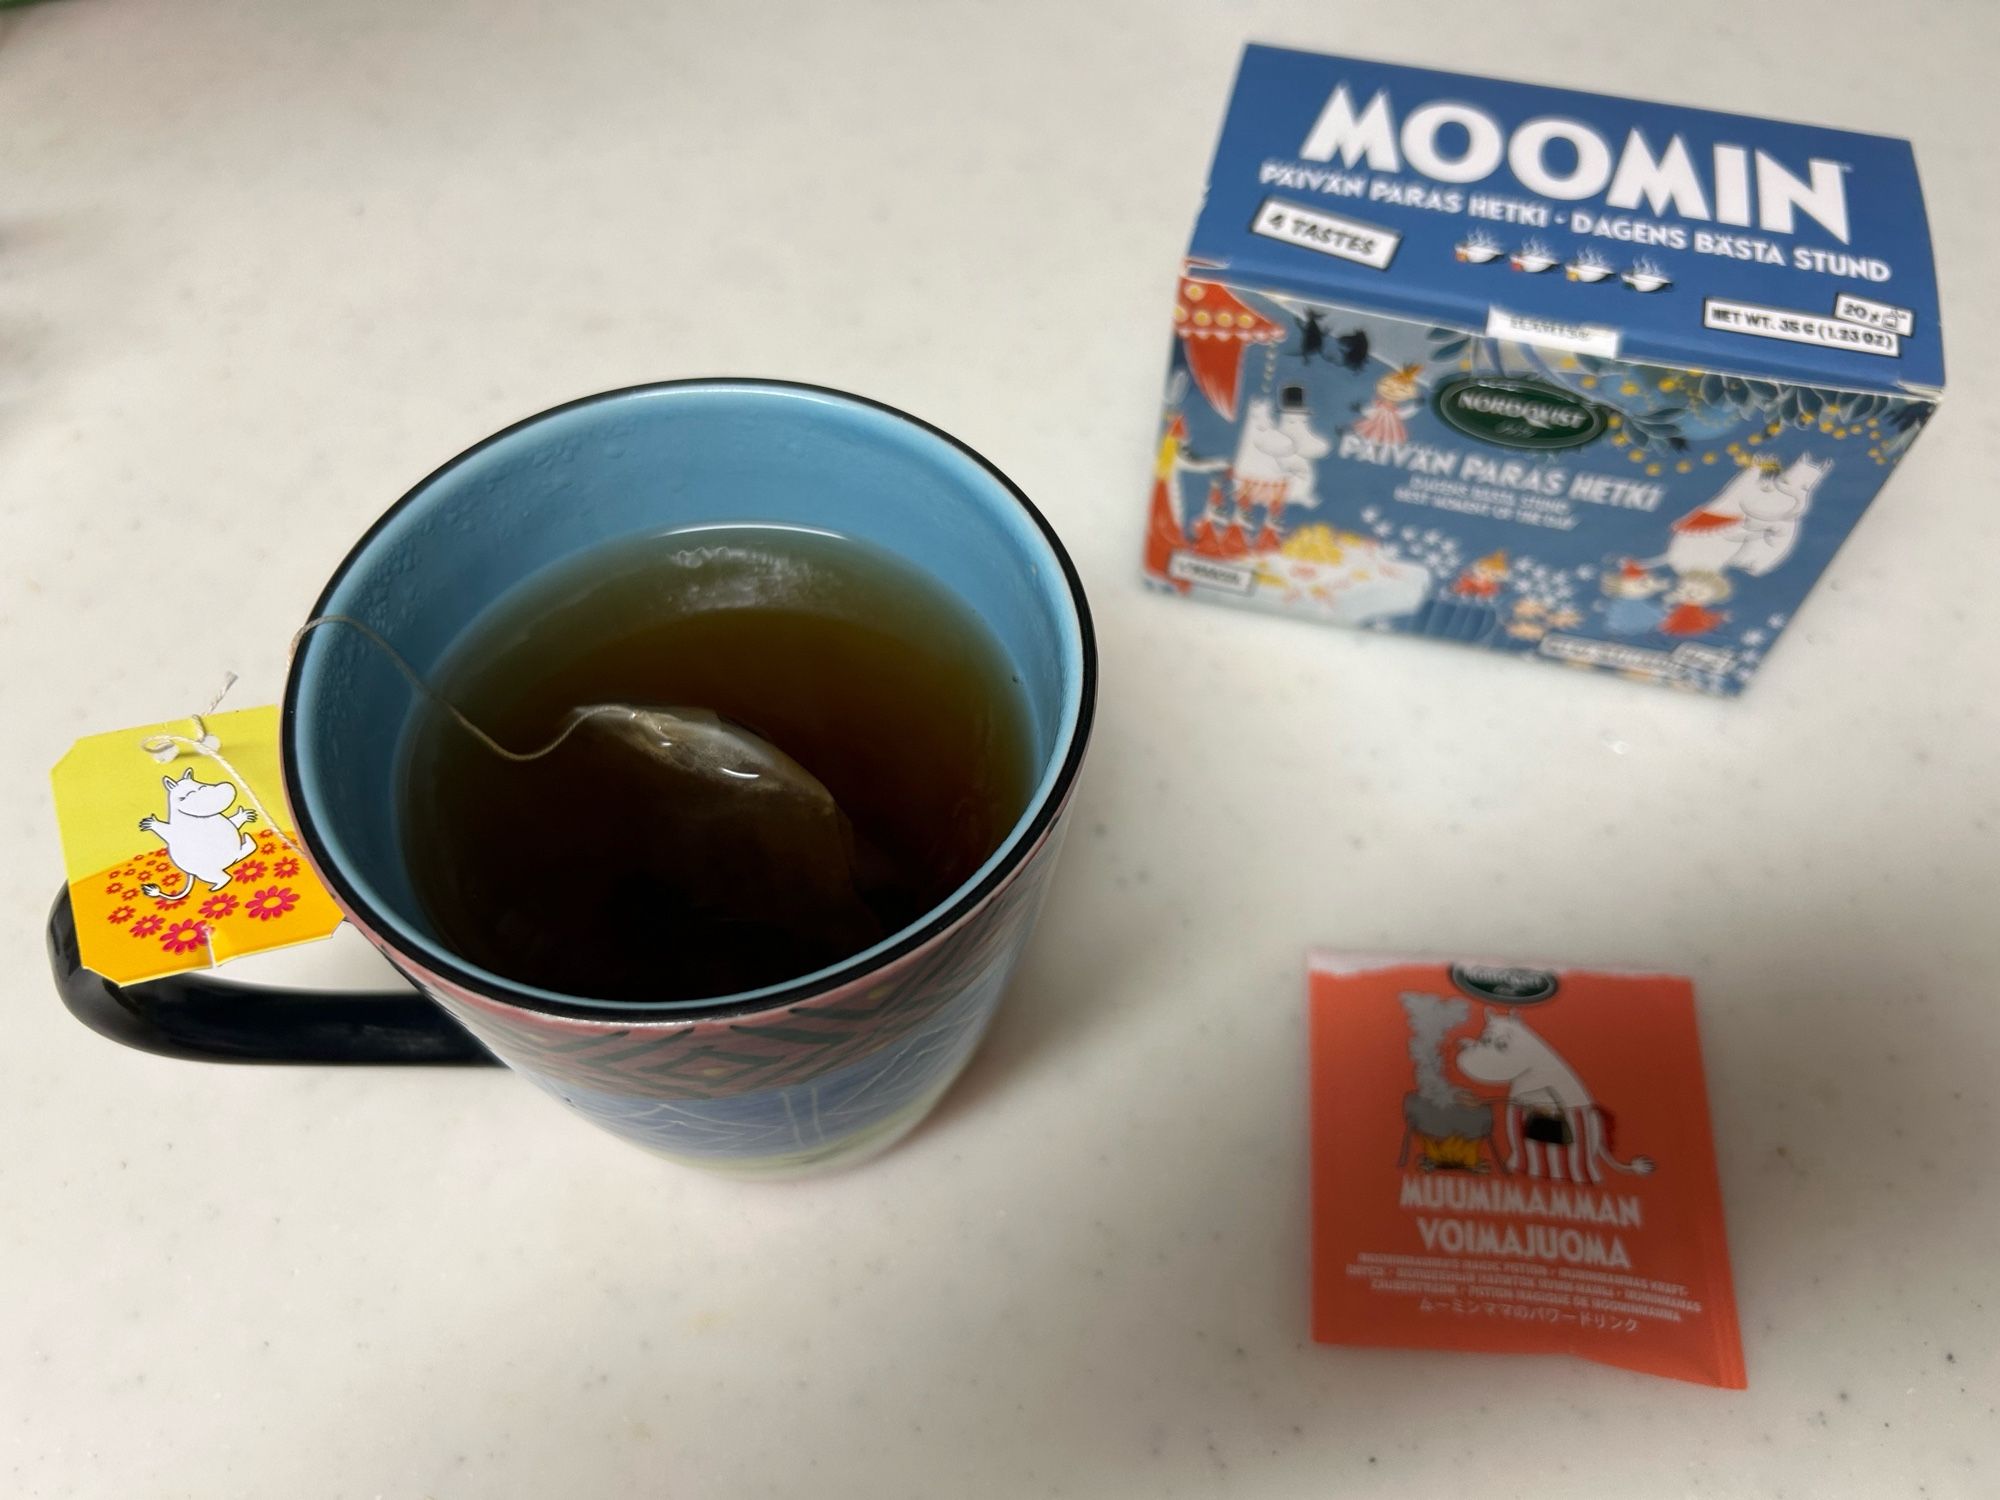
x: 196, y: 1016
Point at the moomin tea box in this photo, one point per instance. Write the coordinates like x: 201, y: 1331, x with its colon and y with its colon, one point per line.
x: 1551, y: 373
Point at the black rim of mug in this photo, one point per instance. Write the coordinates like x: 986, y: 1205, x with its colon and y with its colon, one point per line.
x: 915, y: 936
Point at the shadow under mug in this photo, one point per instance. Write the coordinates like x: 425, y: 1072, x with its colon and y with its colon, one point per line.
x: 817, y: 1072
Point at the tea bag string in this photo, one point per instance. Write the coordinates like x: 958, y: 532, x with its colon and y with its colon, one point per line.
x: 577, y: 717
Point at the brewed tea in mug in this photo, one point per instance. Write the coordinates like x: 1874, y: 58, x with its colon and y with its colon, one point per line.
x: 583, y: 870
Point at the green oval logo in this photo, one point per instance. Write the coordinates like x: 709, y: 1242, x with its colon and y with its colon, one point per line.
x: 1503, y: 984
x: 1518, y: 413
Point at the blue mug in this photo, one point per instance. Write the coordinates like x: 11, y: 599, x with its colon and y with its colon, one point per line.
x: 819, y: 1071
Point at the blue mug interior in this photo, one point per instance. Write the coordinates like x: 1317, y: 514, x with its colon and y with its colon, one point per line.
x: 634, y: 463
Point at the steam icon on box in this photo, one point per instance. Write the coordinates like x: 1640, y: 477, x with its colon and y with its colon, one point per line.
x: 1646, y: 276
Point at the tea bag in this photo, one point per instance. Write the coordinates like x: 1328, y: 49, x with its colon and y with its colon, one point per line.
x: 746, y: 832
x: 736, y: 829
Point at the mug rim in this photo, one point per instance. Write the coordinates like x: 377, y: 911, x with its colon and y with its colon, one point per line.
x: 1021, y: 841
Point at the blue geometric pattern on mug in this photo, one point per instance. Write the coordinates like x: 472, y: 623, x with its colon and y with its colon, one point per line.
x: 810, y: 1117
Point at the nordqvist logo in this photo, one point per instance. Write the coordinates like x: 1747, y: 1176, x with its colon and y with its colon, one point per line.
x: 1518, y: 413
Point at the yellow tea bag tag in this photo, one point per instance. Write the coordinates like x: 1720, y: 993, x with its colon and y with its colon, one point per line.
x: 179, y: 849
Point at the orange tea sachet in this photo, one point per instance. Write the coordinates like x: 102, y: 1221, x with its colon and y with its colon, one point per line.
x: 1516, y: 1160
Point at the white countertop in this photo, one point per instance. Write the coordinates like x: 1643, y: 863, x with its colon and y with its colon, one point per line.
x: 262, y: 265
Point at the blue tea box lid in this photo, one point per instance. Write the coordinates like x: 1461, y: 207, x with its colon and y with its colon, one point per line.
x: 1606, y: 226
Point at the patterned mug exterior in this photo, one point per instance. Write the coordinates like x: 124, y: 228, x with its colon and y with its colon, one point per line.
x: 816, y: 1073
x: 823, y: 1082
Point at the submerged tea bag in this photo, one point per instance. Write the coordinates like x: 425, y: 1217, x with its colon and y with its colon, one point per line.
x: 735, y: 833
x: 749, y: 831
